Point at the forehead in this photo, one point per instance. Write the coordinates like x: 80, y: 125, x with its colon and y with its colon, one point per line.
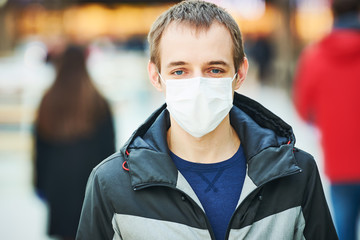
x: 184, y: 42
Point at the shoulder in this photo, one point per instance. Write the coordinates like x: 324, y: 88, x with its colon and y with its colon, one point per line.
x: 299, y: 185
x: 304, y: 159
x: 309, y: 170
x: 112, y: 183
x: 111, y: 171
x: 109, y: 162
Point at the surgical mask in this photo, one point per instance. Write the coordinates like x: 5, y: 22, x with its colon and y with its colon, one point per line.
x: 199, y: 104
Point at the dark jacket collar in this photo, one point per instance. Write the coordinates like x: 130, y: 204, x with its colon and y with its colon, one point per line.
x: 267, y: 141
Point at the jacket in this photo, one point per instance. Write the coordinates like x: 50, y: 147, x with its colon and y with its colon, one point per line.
x: 326, y: 93
x: 138, y: 193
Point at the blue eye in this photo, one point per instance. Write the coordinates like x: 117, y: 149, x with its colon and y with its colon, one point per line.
x: 179, y: 72
x: 215, y: 71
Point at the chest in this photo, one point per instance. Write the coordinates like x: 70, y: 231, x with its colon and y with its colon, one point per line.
x: 172, y: 214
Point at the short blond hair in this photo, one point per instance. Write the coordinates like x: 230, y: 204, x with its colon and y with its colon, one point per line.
x: 201, y: 15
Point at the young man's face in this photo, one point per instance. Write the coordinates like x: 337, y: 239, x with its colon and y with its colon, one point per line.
x: 187, y: 53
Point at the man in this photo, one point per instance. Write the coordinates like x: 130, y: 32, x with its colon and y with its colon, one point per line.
x: 326, y: 93
x: 194, y: 171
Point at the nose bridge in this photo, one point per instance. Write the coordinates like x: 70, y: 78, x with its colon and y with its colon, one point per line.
x: 197, y: 72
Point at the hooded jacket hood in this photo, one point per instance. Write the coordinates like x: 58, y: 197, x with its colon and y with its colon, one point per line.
x: 344, y: 44
x: 344, y: 40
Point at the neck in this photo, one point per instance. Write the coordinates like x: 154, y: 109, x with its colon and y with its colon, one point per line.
x: 216, y: 146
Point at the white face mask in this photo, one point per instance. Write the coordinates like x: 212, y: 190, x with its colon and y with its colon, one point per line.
x: 199, y: 104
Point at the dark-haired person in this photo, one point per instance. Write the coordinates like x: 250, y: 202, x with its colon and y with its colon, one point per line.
x: 210, y: 163
x: 73, y: 132
x: 326, y: 93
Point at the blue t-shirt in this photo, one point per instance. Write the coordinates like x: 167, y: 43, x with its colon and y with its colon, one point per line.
x: 218, y: 187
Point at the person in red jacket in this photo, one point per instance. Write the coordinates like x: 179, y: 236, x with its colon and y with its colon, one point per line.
x: 327, y: 93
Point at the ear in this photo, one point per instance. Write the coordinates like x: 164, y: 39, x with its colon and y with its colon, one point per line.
x: 241, y: 73
x: 154, y: 76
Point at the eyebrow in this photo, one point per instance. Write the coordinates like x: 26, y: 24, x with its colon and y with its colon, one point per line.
x: 174, y: 64
x: 218, y: 63
x: 182, y: 63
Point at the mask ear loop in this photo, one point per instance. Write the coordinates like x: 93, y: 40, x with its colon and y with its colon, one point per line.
x: 234, y: 77
x: 161, y: 79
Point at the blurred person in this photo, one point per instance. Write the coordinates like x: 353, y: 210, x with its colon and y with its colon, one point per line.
x: 260, y: 49
x: 73, y: 132
x: 195, y: 171
x: 326, y: 93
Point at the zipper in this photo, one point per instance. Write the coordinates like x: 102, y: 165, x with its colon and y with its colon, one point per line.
x: 142, y: 186
x: 254, y: 192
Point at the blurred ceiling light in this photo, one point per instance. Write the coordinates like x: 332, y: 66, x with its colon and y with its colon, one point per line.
x: 87, y: 21
x: 31, y: 20
x: 249, y: 9
x: 312, y: 5
x: 313, y: 19
x: 2, y: 2
x: 135, y: 20
x: 264, y: 25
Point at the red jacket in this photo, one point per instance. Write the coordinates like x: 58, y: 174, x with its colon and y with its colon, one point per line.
x: 327, y: 93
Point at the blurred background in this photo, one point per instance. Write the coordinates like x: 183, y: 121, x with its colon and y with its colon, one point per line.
x: 114, y: 32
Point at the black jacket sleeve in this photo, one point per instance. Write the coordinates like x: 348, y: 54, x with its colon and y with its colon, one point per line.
x: 96, y: 216
x: 318, y: 221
